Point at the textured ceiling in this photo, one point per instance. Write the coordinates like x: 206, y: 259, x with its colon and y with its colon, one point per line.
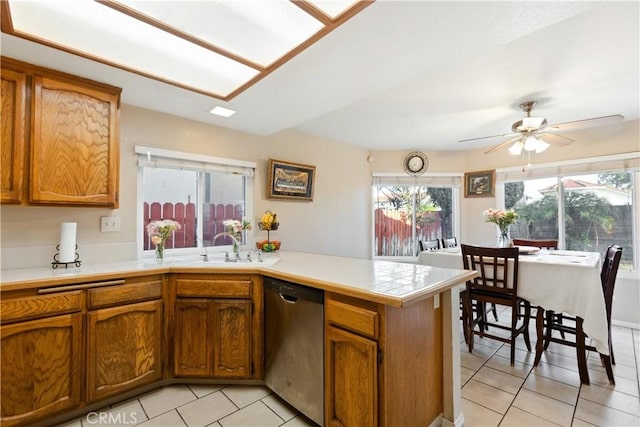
x: 420, y: 75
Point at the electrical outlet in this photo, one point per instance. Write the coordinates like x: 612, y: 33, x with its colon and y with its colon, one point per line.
x: 109, y: 224
x: 436, y: 301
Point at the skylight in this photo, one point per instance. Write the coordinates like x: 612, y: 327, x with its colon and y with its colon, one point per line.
x: 217, y: 48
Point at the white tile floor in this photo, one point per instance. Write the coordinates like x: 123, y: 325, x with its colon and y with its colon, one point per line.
x: 494, y: 393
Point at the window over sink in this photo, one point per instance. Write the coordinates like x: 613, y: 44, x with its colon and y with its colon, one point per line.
x: 199, y: 192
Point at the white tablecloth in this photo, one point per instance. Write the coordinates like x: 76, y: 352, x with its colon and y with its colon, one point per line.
x: 562, y: 281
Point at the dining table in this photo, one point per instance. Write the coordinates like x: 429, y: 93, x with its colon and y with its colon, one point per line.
x: 558, y: 280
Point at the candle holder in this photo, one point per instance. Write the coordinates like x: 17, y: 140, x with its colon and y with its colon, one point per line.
x: 55, y: 264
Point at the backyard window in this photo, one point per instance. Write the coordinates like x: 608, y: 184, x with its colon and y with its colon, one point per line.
x: 585, y: 212
x: 198, y: 192
x: 405, y: 214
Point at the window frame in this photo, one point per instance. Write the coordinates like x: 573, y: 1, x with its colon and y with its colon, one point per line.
x: 628, y: 162
x: 451, y: 180
x: 169, y: 159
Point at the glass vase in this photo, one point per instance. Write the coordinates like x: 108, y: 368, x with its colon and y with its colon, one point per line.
x: 160, y: 252
x: 504, y: 237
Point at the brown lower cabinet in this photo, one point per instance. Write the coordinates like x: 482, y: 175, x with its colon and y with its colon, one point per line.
x: 79, y: 346
x: 217, y: 326
x: 64, y: 347
x: 41, y: 368
x: 213, y: 338
x: 383, y: 364
x: 124, y: 348
x: 352, y: 379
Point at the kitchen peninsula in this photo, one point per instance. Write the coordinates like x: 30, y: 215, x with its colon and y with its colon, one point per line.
x: 111, y: 331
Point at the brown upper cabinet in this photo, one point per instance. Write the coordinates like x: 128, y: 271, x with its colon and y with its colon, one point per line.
x: 14, y: 117
x: 73, y: 134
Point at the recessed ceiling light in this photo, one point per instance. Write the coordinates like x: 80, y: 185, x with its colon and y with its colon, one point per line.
x: 221, y: 111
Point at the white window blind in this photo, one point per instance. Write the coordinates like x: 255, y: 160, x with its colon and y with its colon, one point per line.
x: 157, y: 157
x: 615, y: 162
x: 427, y: 180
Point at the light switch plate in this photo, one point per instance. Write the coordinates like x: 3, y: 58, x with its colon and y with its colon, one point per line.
x: 109, y: 224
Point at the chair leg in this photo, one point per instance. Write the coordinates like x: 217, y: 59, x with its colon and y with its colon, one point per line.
x: 613, y: 359
x: 559, y: 321
x: 581, y: 353
x: 464, y: 316
x: 525, y: 324
x: 494, y: 311
x: 539, y: 335
x: 606, y: 361
x: 547, y: 336
x: 468, y: 324
x: 514, y: 335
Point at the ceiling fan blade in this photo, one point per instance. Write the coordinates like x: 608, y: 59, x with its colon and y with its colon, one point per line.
x: 492, y: 136
x: 502, y: 144
x: 554, y: 139
x: 585, y: 123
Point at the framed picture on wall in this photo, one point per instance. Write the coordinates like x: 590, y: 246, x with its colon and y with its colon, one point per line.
x: 480, y: 184
x: 290, y: 181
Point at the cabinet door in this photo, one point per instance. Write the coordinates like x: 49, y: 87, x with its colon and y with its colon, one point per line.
x: 42, y: 368
x: 124, y: 348
x: 74, y: 145
x: 13, y: 110
x: 192, y: 338
x: 232, y: 338
x: 351, y: 379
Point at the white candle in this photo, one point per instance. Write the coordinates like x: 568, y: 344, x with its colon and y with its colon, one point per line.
x: 67, y: 242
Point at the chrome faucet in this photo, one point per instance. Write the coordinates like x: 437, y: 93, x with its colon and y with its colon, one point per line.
x: 236, y: 245
x: 205, y: 255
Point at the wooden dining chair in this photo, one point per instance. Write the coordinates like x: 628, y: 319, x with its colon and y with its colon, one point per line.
x: 451, y: 242
x: 429, y: 245
x: 542, y: 244
x: 608, y: 275
x: 497, y: 284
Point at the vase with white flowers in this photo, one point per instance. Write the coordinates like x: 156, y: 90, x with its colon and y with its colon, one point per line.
x: 160, y: 231
x: 235, y: 228
x: 503, y: 219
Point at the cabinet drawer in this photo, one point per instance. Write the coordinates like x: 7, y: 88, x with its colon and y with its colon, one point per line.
x: 353, y: 318
x: 40, y: 306
x: 127, y: 293
x: 232, y: 288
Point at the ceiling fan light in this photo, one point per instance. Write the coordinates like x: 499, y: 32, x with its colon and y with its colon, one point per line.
x: 530, y: 143
x: 541, y: 146
x: 516, y: 148
x: 531, y: 123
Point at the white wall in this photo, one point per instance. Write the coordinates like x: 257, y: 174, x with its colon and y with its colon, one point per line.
x: 336, y: 222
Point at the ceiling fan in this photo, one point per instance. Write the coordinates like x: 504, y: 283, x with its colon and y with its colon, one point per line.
x: 533, y: 134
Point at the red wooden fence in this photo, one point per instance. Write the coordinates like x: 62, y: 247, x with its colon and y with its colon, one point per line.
x: 185, y: 214
x: 393, y: 233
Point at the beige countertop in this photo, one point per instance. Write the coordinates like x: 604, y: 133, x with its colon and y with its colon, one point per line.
x: 391, y: 283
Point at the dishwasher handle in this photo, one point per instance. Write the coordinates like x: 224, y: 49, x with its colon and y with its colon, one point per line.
x: 292, y: 292
x: 288, y: 298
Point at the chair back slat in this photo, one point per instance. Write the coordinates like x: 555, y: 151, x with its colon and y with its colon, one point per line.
x: 429, y: 245
x: 498, y: 269
x: 451, y: 242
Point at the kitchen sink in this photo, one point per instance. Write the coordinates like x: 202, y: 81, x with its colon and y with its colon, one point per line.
x: 219, y: 261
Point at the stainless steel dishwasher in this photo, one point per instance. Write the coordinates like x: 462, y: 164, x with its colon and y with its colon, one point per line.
x: 294, y: 345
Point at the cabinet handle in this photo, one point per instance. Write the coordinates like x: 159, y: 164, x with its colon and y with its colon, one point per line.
x: 78, y: 287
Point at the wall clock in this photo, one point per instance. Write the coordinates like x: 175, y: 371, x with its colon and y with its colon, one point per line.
x: 415, y: 163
